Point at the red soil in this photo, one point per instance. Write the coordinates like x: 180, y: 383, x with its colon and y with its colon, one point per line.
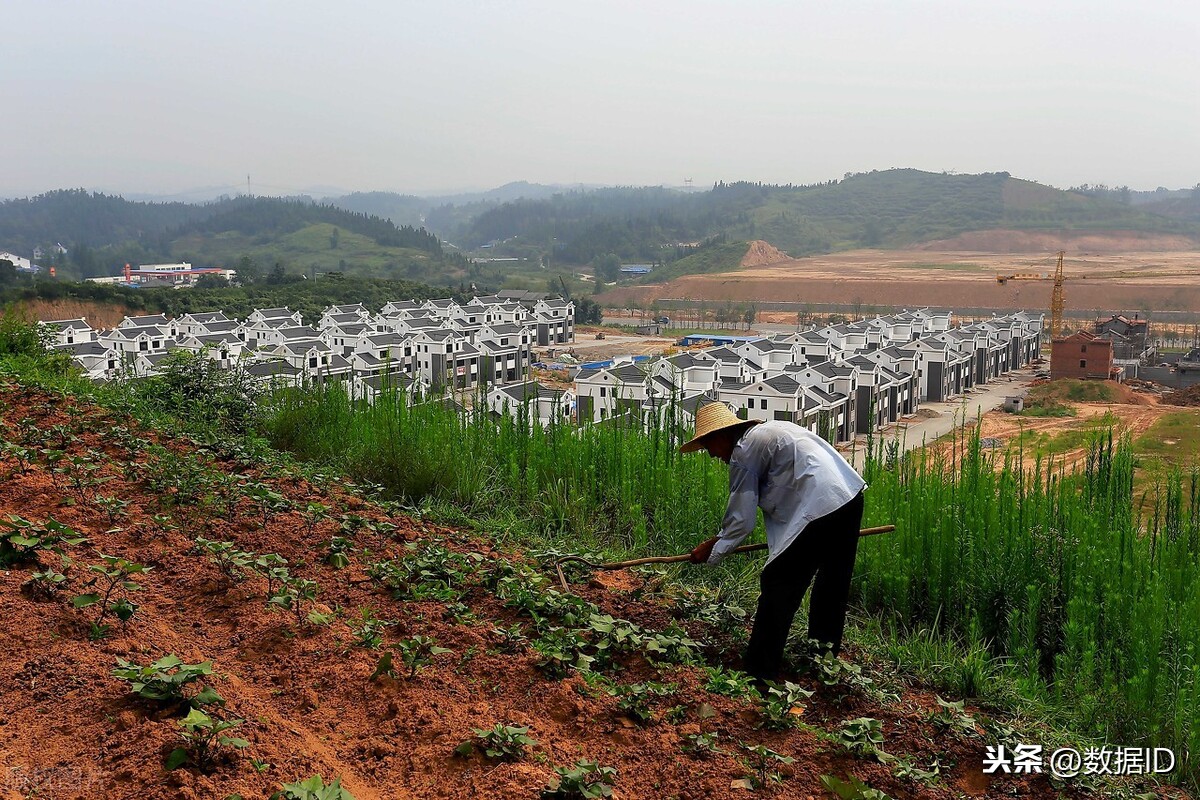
x: 69, y: 729
x: 761, y: 253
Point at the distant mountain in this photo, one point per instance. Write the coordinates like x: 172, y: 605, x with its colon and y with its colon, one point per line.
x: 412, y: 209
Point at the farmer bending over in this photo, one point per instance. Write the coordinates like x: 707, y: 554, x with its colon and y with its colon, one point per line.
x: 812, y: 504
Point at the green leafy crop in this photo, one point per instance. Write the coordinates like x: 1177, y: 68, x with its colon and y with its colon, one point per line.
x: 165, y: 680
x: 501, y: 743
x: 313, y: 788
x: 586, y: 780
x: 202, y: 736
x: 782, y: 706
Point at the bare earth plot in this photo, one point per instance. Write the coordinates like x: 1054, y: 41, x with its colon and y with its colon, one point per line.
x: 1100, y: 276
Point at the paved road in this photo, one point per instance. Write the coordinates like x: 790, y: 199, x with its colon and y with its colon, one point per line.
x: 913, y: 434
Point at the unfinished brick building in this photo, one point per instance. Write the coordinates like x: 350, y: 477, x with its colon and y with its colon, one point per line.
x: 1082, y: 355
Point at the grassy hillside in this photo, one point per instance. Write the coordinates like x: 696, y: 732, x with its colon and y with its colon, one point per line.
x: 308, y: 250
x: 715, y: 258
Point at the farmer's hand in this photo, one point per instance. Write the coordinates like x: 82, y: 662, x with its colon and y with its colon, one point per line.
x: 703, y: 551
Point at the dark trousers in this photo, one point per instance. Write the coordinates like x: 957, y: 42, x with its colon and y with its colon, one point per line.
x: 825, y: 549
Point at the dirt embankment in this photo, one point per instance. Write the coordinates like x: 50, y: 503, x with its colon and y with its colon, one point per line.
x: 98, y: 315
x: 72, y: 731
x: 761, y: 254
x: 1013, y: 241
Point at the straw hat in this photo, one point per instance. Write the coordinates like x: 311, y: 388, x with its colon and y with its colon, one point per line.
x: 711, y: 418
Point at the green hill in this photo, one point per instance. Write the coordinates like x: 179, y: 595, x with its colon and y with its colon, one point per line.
x: 309, y: 250
x: 672, y: 229
x: 102, y: 233
x: 712, y: 258
x: 890, y: 208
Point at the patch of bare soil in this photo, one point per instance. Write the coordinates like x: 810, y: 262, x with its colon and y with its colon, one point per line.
x: 70, y: 730
x: 762, y: 253
x: 1134, y: 418
x: 882, y: 279
x: 1013, y: 241
x: 1183, y: 397
x: 98, y: 315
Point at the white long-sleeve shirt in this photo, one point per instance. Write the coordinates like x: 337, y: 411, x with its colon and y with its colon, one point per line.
x: 794, y: 475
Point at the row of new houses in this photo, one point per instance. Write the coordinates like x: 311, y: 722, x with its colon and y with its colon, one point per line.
x: 435, y: 343
x: 837, y: 381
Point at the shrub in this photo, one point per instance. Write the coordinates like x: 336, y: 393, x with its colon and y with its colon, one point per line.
x: 195, y: 385
x: 20, y: 335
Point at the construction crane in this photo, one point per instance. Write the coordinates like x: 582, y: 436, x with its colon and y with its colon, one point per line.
x: 1058, y: 301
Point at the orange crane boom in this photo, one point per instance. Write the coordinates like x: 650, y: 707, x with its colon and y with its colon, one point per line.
x: 1058, y: 296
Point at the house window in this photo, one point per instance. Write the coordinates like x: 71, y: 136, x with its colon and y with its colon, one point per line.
x: 1083, y: 348
x: 312, y: 361
x: 1082, y: 363
x: 763, y: 404
x: 143, y: 345
x: 602, y: 391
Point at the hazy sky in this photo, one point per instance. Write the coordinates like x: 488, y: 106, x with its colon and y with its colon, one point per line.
x: 165, y: 96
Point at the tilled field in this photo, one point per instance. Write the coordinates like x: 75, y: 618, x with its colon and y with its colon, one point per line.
x: 308, y: 674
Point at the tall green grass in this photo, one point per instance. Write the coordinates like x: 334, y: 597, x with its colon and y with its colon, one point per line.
x: 1054, y: 580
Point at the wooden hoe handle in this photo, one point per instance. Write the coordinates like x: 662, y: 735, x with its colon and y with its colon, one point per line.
x: 637, y: 562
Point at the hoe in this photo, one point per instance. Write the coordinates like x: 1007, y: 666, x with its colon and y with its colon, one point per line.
x: 746, y: 548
